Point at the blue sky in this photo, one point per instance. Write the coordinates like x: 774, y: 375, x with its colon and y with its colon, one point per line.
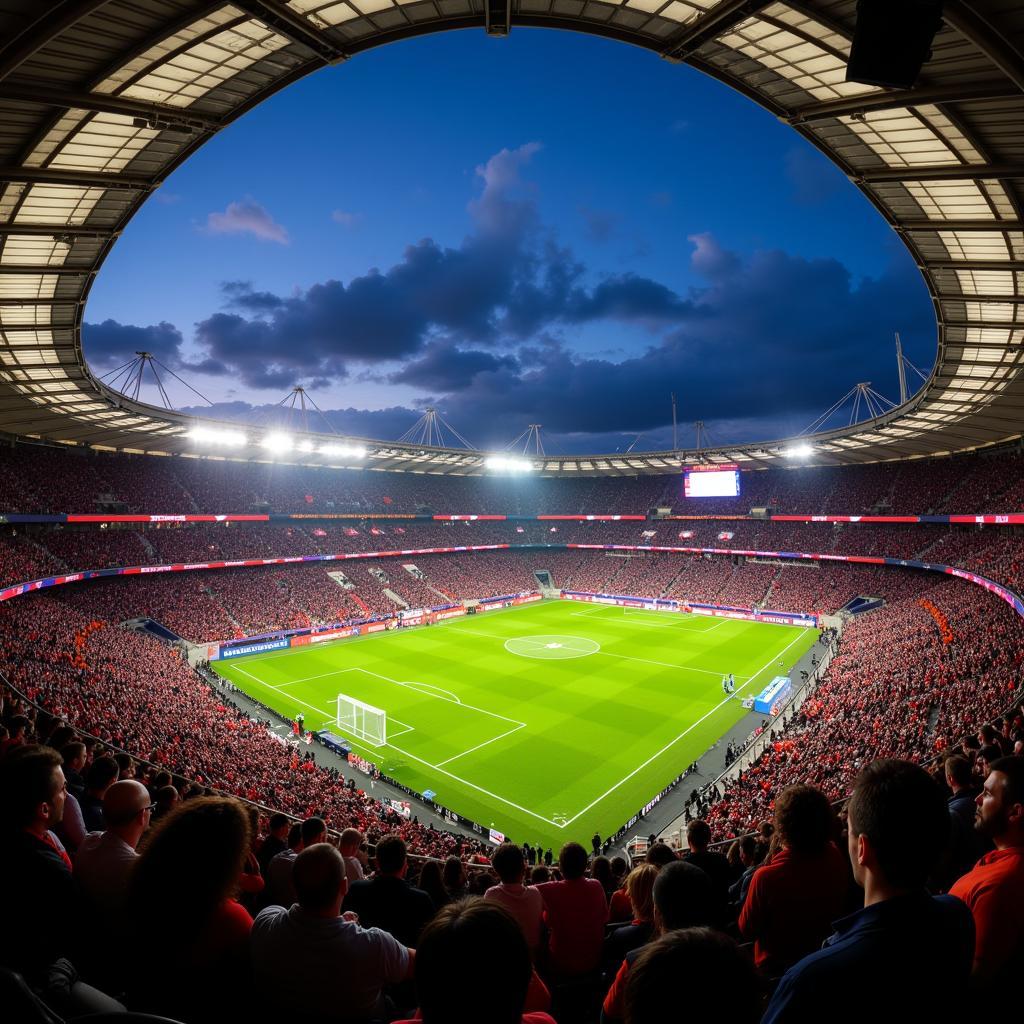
x: 546, y: 228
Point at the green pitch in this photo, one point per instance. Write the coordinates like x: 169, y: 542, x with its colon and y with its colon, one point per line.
x: 548, y: 721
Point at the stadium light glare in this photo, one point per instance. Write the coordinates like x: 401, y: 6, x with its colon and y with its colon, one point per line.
x: 207, y: 435
x: 277, y: 444
x: 305, y: 446
x: 342, y: 451
x: 800, y: 451
x: 506, y: 464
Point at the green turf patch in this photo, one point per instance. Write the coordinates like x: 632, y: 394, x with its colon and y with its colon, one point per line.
x: 547, y: 722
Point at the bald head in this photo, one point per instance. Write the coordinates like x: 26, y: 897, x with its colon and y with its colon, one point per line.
x: 126, y: 809
x: 319, y: 878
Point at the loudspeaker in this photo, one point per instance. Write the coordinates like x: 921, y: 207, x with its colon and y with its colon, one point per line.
x: 892, y: 40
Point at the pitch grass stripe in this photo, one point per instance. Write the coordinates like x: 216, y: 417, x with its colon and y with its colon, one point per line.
x: 673, y: 742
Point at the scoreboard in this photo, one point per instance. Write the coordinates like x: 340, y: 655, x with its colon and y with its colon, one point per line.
x: 721, y: 481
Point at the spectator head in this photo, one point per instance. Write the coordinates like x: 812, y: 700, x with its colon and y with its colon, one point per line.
x: 351, y: 840
x: 659, y: 854
x: 190, y: 863
x: 601, y: 871
x: 125, y: 766
x: 101, y: 775
x: 1000, y: 814
x: 572, y: 861
x: 74, y: 754
x: 472, y: 955
x: 509, y: 863
x: 278, y: 826
x: 987, y: 734
x: 318, y: 875
x: 392, y: 856
x: 748, y: 850
x: 640, y: 890
x: 453, y: 874
x: 540, y: 874
x: 700, y: 962
x: 18, y: 726
x: 165, y: 798
x: 127, y: 809
x: 898, y: 825
x: 32, y: 790
x: 988, y: 754
x: 958, y: 772
x: 804, y: 819
x: 314, y: 830
x: 683, y: 897
x: 698, y: 835
x: 60, y: 737
x: 619, y: 867
x: 295, y: 836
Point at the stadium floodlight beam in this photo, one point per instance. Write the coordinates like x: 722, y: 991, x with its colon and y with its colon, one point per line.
x: 277, y: 444
x: 342, y: 451
x: 210, y: 435
x: 800, y: 451
x: 507, y: 464
x: 305, y: 446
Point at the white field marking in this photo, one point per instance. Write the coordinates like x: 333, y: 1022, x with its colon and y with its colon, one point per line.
x: 451, y: 700
x: 484, y: 744
x: 474, y: 632
x: 406, y: 753
x: 432, y: 691
x: 672, y: 742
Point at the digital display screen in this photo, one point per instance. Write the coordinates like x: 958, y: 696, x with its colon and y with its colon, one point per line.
x: 716, y: 483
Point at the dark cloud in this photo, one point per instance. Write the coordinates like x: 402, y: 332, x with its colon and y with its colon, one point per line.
x: 600, y: 225
x: 445, y: 368
x: 110, y: 343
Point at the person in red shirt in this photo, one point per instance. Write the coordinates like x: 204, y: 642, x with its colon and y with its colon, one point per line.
x: 794, y: 898
x: 473, y: 964
x: 994, y: 888
x: 181, y: 897
x: 575, y: 912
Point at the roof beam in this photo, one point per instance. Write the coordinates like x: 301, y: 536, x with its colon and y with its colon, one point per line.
x: 994, y: 44
x: 48, y: 26
x: 175, y: 118
x: 1006, y: 300
x: 57, y: 230
x: 293, y: 26
x: 498, y: 17
x: 1008, y: 265
x: 718, y: 20
x: 44, y: 270
x: 1000, y: 325
x: 960, y: 225
x: 952, y: 172
x: 87, y: 179
x: 897, y: 99
x: 76, y: 301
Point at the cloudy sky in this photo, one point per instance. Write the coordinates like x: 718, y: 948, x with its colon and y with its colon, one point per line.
x: 546, y: 228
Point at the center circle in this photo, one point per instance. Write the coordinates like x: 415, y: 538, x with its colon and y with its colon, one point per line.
x: 552, y: 647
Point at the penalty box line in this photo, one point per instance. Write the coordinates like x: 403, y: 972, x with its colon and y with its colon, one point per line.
x: 423, y: 761
x: 689, y: 729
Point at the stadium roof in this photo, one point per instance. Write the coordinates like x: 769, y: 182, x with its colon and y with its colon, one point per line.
x: 101, y: 99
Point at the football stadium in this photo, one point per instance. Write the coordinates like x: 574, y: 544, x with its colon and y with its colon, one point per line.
x: 312, y: 706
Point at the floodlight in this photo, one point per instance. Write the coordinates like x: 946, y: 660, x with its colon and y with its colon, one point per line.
x: 305, y: 446
x: 277, y: 443
x: 800, y: 451
x: 208, y: 435
x: 508, y: 464
x: 341, y: 451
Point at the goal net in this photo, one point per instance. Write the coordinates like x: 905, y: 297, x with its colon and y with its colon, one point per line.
x: 362, y: 721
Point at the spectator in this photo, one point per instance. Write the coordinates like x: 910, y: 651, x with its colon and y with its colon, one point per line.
x: 182, y: 890
x: 987, y: 756
x: 164, y: 800
x: 718, y: 980
x: 994, y: 888
x: 351, y: 843
x: 431, y: 881
x: 966, y: 844
x: 105, y: 860
x: 274, y: 842
x: 454, y: 877
x: 337, y: 968
x: 75, y: 757
x: 749, y: 850
x: 526, y: 905
x: 601, y: 871
x: 99, y: 777
x: 386, y: 900
x: 713, y: 864
x: 279, y: 890
x: 40, y: 903
x: 795, y: 896
x: 684, y: 897
x: 891, y: 954
x: 575, y: 912
x: 472, y: 961
x: 640, y: 889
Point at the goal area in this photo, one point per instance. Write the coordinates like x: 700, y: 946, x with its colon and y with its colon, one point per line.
x: 362, y: 721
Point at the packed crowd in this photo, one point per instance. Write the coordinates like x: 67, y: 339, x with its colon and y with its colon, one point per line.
x: 40, y: 478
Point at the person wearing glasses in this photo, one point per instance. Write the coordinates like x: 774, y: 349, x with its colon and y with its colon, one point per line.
x: 105, y: 859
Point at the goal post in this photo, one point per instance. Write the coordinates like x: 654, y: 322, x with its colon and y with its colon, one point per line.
x: 362, y: 721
